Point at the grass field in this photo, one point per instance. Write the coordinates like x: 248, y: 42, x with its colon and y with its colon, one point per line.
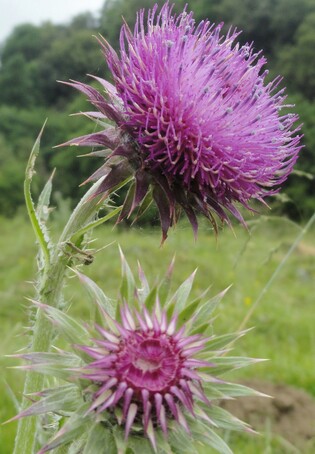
x: 284, y: 320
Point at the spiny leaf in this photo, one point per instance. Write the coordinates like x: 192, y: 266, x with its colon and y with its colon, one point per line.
x: 97, y: 294
x: 180, y: 440
x: 73, y: 331
x: 79, y: 233
x: 209, y: 437
x: 60, y: 357
x: 12, y: 396
x: 151, y: 299
x: 42, y: 212
x: 100, y: 441
x: 228, y: 363
x: 140, y: 445
x: 128, y: 286
x: 205, y: 310
x: 227, y: 389
x: 119, y: 436
x: 64, y: 372
x: 218, y: 342
x: 42, y: 208
x: 76, y: 425
x: 181, y: 295
x: 165, y: 284
x: 64, y: 397
x: 34, y: 218
x: 224, y: 419
x: 76, y: 446
x: 187, y: 313
x: 144, y: 291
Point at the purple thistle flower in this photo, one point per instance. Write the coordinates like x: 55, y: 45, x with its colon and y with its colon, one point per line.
x: 149, y: 369
x: 196, y: 120
x: 145, y: 376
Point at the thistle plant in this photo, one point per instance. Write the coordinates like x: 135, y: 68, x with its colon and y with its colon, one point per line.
x: 144, y: 376
x: 190, y: 124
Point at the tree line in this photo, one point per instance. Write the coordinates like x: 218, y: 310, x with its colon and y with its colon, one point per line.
x: 33, y: 58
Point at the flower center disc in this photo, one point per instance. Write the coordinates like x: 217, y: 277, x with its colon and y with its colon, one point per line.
x: 150, y: 363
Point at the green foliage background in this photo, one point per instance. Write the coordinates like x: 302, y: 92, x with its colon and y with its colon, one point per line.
x: 34, y: 57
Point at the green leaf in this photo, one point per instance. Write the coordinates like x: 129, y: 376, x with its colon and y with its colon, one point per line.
x: 140, y: 445
x: 10, y: 393
x: 205, y: 310
x: 181, y: 296
x: 119, y: 436
x: 75, y: 426
x: 62, y: 399
x: 42, y: 208
x: 219, y: 342
x: 151, y: 299
x: 165, y: 284
x: 96, y: 293
x: 128, y: 285
x: 81, y: 232
x: 100, y: 441
x: 144, y: 290
x: 208, y: 437
x: 180, y: 440
x: 61, y: 364
x: 60, y: 358
x: 205, y: 328
x: 224, y: 419
x: 236, y: 390
x: 73, y: 331
x: 37, y: 225
x: 227, y: 363
x: 187, y: 313
x: 42, y: 212
x: 76, y: 446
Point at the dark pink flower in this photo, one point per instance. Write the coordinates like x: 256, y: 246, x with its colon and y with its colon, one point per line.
x: 148, y: 369
x: 146, y: 376
x: 196, y: 120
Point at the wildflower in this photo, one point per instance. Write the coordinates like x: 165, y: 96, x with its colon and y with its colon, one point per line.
x: 197, y: 126
x: 147, y: 375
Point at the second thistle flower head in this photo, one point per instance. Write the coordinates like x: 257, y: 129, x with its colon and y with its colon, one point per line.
x: 144, y: 378
x: 196, y: 119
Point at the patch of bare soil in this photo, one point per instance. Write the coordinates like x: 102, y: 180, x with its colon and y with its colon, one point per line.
x: 306, y: 249
x: 290, y: 412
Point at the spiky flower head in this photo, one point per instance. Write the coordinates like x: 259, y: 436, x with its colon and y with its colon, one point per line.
x: 144, y: 377
x: 196, y: 120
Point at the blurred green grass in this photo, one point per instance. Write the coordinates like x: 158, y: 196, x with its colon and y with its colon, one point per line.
x: 283, y: 322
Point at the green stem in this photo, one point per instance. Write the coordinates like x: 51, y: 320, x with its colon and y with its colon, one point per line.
x: 276, y: 272
x: 49, y: 293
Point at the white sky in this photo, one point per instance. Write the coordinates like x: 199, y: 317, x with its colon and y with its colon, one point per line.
x: 14, y: 12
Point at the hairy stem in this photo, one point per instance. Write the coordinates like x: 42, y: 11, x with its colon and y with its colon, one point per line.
x: 49, y: 293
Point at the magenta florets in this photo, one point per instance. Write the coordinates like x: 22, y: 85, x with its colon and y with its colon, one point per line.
x: 199, y: 106
x: 198, y: 122
x: 148, y: 369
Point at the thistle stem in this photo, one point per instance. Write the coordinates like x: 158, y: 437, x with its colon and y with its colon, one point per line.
x: 49, y: 293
